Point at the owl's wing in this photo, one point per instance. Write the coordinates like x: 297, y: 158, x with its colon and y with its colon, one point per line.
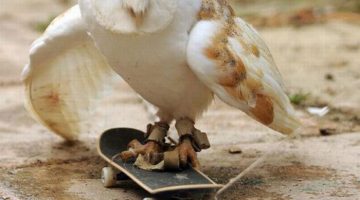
x: 235, y: 63
x: 65, y: 75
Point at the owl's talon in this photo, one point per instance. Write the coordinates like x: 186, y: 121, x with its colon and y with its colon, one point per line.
x: 134, y: 144
x: 154, y: 143
x: 136, y: 148
x: 128, y: 155
x: 187, y: 154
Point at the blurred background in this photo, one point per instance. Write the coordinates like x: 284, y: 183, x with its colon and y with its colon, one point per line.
x: 316, y: 45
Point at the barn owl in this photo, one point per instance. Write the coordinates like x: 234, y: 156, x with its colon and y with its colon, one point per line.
x: 176, y: 54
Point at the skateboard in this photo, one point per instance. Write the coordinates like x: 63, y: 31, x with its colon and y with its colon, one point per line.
x: 114, y: 141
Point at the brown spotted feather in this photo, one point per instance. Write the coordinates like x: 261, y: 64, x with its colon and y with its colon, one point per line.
x: 233, y: 74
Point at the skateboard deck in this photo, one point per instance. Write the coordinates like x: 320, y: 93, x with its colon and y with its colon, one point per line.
x: 114, y: 141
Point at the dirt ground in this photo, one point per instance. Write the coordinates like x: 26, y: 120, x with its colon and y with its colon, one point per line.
x: 319, y: 61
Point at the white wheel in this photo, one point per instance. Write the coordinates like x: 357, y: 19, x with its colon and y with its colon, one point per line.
x: 108, y: 177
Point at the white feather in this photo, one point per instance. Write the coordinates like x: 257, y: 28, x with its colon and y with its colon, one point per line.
x: 65, y: 76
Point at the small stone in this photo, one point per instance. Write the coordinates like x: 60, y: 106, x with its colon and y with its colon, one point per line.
x: 327, y: 131
x: 329, y: 77
x: 235, y: 150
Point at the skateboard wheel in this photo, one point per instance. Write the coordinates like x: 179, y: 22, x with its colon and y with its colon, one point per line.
x: 108, y: 177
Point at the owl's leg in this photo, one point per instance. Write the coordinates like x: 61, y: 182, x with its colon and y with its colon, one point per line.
x: 191, y: 140
x: 155, y: 138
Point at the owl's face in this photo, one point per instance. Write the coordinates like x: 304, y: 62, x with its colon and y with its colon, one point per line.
x: 129, y: 16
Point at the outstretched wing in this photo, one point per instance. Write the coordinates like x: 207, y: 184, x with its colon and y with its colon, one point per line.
x: 234, y: 62
x: 65, y: 74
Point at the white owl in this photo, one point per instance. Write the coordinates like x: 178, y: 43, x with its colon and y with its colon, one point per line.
x: 176, y: 54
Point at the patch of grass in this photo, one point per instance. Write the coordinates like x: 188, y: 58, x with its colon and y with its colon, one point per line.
x: 41, y: 26
x: 298, y: 98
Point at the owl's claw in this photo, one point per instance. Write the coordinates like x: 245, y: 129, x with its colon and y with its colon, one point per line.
x: 187, y: 153
x: 154, y: 143
x: 136, y: 148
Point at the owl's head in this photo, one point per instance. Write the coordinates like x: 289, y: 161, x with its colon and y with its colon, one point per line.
x: 136, y: 8
x: 129, y: 16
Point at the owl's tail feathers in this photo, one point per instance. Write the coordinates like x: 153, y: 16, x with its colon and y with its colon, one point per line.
x: 285, y: 120
x: 64, y: 77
